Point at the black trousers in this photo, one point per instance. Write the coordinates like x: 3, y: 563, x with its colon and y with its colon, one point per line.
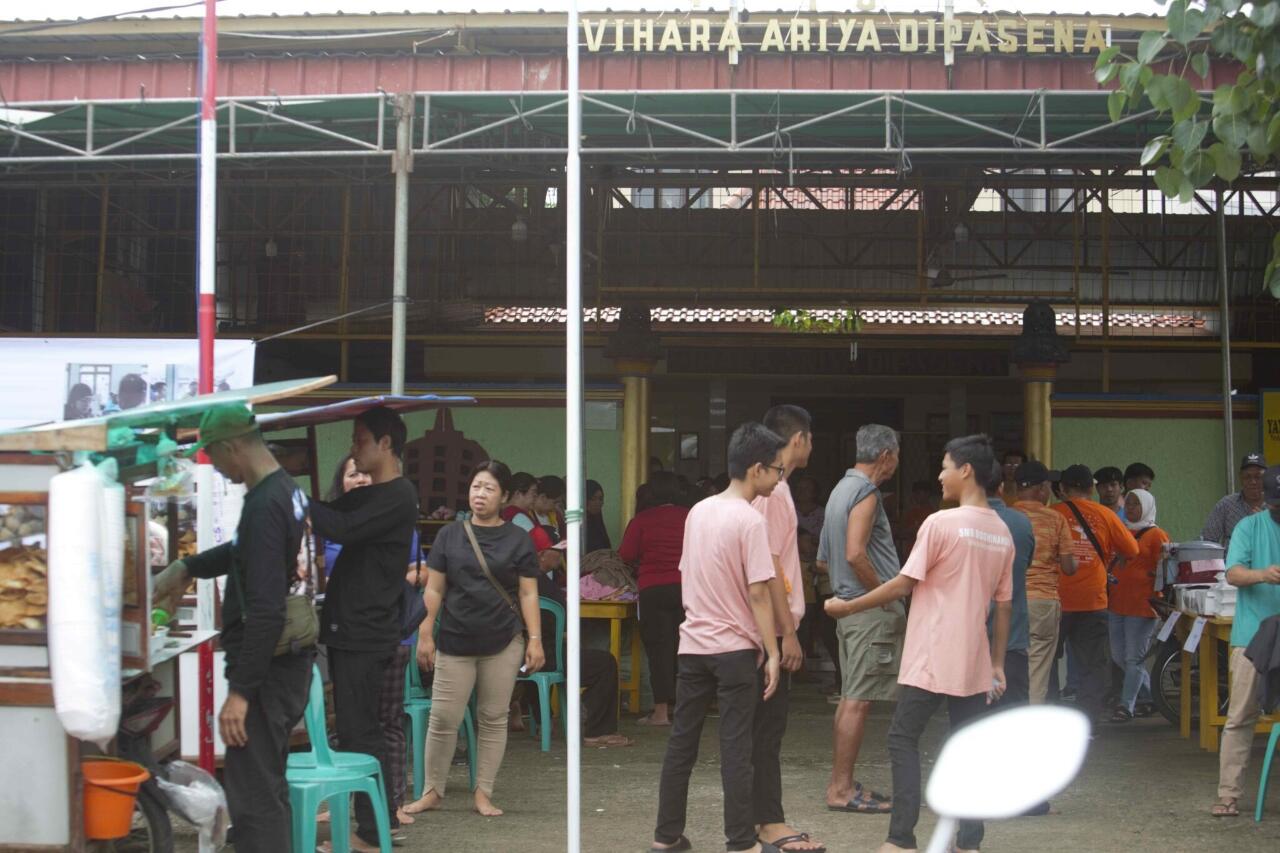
x: 915, y: 707
x: 661, y: 612
x: 1089, y: 635
x: 357, y: 690
x: 766, y: 752
x: 734, y: 682
x: 1017, y: 677
x: 600, y: 696
x: 257, y: 794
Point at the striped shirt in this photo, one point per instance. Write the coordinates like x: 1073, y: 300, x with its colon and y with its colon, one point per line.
x: 1224, y: 517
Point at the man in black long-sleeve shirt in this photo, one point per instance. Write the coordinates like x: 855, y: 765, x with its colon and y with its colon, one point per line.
x: 267, y: 692
x: 360, y: 621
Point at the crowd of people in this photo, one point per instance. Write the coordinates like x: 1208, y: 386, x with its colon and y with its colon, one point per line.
x: 737, y: 582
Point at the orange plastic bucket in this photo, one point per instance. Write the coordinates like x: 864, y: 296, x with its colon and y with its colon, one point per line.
x: 110, y: 788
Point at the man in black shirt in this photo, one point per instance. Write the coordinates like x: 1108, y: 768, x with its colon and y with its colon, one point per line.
x: 267, y: 692
x: 360, y: 621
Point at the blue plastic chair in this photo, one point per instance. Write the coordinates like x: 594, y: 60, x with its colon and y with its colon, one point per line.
x: 417, y: 707
x: 328, y: 779
x: 1266, y: 771
x: 545, y: 680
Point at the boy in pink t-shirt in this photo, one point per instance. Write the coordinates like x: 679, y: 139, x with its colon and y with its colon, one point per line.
x: 726, y: 569
x: 962, y: 561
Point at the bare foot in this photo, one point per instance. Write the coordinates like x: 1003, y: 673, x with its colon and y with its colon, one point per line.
x: 653, y: 720
x: 358, y: 845
x: 485, y: 806
x: 772, y: 832
x: 403, y: 816
x: 606, y: 741
x: 323, y: 816
x: 430, y: 801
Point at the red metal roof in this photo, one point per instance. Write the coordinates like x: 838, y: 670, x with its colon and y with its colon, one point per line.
x: 287, y: 76
x: 882, y: 320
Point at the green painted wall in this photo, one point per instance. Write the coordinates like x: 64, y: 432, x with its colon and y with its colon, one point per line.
x: 1185, y: 453
x: 527, y: 439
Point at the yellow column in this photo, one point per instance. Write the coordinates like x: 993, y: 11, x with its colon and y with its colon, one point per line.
x: 635, y: 433
x: 1037, y: 415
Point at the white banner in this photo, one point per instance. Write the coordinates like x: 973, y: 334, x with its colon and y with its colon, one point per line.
x: 52, y: 379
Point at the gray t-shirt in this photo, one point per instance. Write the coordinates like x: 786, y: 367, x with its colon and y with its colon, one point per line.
x: 848, y: 493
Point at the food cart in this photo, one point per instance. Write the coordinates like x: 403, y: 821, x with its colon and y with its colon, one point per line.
x: 41, y: 807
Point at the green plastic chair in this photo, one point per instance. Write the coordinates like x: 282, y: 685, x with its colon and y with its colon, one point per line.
x: 329, y: 779
x: 545, y: 680
x: 417, y: 707
x: 1266, y: 771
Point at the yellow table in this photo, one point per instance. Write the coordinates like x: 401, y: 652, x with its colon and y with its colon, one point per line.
x: 1217, y: 634
x: 619, y: 612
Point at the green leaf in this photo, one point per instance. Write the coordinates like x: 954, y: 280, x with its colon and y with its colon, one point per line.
x: 1150, y: 45
x: 1265, y: 14
x: 1233, y: 131
x: 1154, y: 150
x: 1184, y: 99
x: 1169, y: 181
x: 1115, y: 104
x: 1198, y: 167
x: 1189, y: 133
x: 1273, y: 281
x: 1229, y: 100
x: 1130, y: 77
x: 1184, y: 23
x: 1226, y: 161
x: 1200, y: 64
x: 1273, y: 133
x: 1257, y: 142
x: 1106, y: 57
x: 1158, y: 91
x: 1106, y: 73
x: 1186, y: 191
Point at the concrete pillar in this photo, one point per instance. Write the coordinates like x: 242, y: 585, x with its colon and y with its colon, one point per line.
x: 635, y: 432
x: 1037, y: 414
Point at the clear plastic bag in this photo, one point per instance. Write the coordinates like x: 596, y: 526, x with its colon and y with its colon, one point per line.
x: 197, y: 798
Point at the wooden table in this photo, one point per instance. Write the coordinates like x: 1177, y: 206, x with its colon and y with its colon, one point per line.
x: 619, y: 612
x: 1217, y: 635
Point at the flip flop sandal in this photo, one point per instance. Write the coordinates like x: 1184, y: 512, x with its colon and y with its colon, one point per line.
x: 1121, y: 715
x: 648, y: 721
x: 799, y: 837
x: 858, y: 790
x: 680, y: 845
x: 861, y: 804
x: 1227, y: 809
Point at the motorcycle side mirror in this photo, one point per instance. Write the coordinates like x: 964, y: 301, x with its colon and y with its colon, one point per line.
x: 1002, y: 765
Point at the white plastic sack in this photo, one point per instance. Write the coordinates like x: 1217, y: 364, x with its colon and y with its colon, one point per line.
x: 113, y: 569
x: 197, y: 797
x: 86, y: 691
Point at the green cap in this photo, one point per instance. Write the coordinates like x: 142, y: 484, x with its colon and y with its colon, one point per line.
x: 221, y: 422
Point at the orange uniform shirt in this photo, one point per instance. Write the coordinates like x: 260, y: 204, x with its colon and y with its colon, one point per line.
x: 1086, y: 590
x: 1137, y: 578
x: 1053, y: 541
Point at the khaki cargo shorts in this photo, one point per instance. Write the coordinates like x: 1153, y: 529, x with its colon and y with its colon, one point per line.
x: 871, y: 652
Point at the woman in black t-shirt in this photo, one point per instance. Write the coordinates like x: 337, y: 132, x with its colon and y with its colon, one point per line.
x: 487, y: 615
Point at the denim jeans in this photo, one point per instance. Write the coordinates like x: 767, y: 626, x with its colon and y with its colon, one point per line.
x: 1130, y: 639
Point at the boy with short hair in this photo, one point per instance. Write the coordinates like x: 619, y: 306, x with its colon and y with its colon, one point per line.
x: 963, y: 560
x: 726, y: 568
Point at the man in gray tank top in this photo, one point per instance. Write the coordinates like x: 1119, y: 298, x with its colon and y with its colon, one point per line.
x: 858, y: 549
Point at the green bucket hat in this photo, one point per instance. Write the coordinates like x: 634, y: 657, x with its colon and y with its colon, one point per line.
x: 222, y: 422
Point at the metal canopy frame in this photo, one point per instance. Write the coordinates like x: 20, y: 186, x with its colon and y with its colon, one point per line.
x: 741, y: 127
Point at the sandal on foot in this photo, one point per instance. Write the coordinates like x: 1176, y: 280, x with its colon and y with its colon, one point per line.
x: 1144, y: 710
x: 1225, y: 808
x: 607, y: 741
x: 1121, y: 715
x: 647, y: 720
x: 863, y: 804
x: 858, y: 790
x: 681, y: 845
x: 798, y: 838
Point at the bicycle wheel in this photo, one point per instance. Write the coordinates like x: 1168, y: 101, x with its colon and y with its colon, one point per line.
x: 150, y: 832
x: 1166, y: 683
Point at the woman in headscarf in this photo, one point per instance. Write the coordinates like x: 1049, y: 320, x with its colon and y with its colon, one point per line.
x: 595, y: 533
x: 1132, y: 620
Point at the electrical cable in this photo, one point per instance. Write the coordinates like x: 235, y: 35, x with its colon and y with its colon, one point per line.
x: 56, y: 25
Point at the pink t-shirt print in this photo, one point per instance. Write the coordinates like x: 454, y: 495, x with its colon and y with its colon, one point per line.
x: 726, y: 548
x: 779, y: 511
x: 962, y: 560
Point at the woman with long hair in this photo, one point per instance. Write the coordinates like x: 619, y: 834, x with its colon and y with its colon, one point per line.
x: 484, y: 574
x: 595, y: 534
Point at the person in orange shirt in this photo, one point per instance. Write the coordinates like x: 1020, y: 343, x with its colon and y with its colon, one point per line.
x: 1053, y: 558
x: 1098, y: 537
x: 1132, y: 619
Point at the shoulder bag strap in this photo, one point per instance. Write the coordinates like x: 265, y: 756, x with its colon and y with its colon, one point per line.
x: 484, y: 567
x: 1088, y: 531
x: 1138, y: 534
